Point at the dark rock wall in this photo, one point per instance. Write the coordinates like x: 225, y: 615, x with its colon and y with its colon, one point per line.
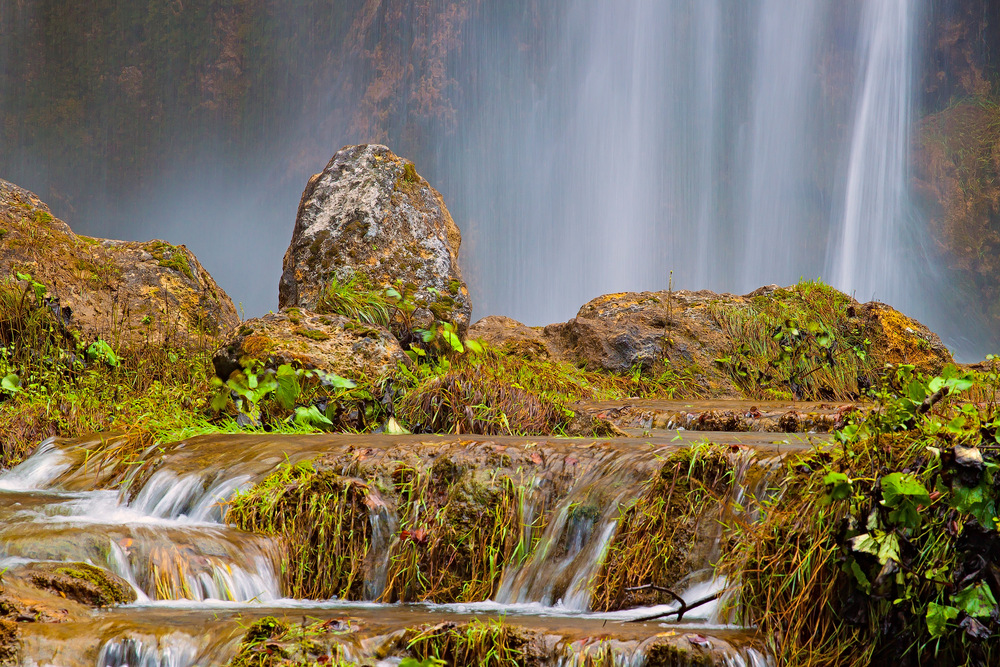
x: 956, y: 153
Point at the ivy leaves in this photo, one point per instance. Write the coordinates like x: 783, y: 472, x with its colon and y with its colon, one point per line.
x: 920, y: 535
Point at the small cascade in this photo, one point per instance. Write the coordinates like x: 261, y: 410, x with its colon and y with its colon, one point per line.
x: 383, y: 529
x: 572, y: 546
x: 567, y: 556
x: 168, y: 541
x: 174, y: 651
x: 192, y: 496
x: 37, y: 471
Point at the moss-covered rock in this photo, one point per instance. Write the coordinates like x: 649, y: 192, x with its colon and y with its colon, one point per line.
x: 117, y: 290
x: 85, y: 583
x: 806, y: 341
x: 330, y: 343
x: 370, y: 213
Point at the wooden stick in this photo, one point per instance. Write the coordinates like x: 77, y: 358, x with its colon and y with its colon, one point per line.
x: 680, y: 611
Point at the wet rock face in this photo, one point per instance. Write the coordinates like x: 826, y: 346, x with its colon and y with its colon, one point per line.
x: 82, y: 582
x: 331, y: 343
x: 370, y: 213
x: 122, y: 291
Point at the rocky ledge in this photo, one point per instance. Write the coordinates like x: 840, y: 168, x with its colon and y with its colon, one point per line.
x: 802, y: 341
x: 126, y: 292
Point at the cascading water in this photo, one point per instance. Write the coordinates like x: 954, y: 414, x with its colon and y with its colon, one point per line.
x: 870, y: 241
x: 167, y: 542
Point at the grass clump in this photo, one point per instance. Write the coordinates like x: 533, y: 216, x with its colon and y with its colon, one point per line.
x: 356, y: 300
x: 446, y: 528
x: 664, y: 533
x: 323, y: 520
x: 52, y: 382
x: 490, y: 643
x: 490, y: 392
x: 805, y: 342
x: 457, y: 532
x: 463, y: 401
x: 884, y: 549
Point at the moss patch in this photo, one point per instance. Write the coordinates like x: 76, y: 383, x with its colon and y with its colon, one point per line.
x: 171, y: 257
x: 312, y: 334
x: 82, y: 582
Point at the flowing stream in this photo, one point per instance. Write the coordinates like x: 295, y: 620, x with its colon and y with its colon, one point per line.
x: 199, y: 582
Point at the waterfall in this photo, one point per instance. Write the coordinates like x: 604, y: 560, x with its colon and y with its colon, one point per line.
x: 869, y: 239
x: 583, y: 147
x: 733, y: 144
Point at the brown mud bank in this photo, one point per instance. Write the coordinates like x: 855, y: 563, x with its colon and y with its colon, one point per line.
x: 639, y: 417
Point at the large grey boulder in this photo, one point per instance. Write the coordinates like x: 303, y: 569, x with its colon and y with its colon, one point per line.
x: 370, y: 213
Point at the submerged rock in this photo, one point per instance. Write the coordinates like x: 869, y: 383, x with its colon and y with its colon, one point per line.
x: 122, y: 291
x: 370, y: 214
x: 330, y: 343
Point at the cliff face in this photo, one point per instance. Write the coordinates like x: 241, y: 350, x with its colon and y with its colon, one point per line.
x: 961, y: 41
x: 956, y: 153
x: 141, y: 86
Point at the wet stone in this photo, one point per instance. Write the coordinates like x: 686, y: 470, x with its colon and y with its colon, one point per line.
x: 85, y: 583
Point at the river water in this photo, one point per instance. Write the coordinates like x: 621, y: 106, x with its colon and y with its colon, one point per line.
x: 200, y: 582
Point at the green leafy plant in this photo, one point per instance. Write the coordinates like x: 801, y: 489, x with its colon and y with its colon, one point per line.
x: 888, y: 541
x: 254, y: 387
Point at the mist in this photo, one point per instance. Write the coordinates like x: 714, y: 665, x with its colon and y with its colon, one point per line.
x: 582, y: 147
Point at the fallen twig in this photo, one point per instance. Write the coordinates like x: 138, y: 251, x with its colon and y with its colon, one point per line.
x: 680, y: 611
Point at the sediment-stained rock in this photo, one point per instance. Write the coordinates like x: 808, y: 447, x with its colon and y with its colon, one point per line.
x: 82, y: 582
x: 122, y: 291
x: 729, y: 345
x: 330, y: 343
x: 370, y: 214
